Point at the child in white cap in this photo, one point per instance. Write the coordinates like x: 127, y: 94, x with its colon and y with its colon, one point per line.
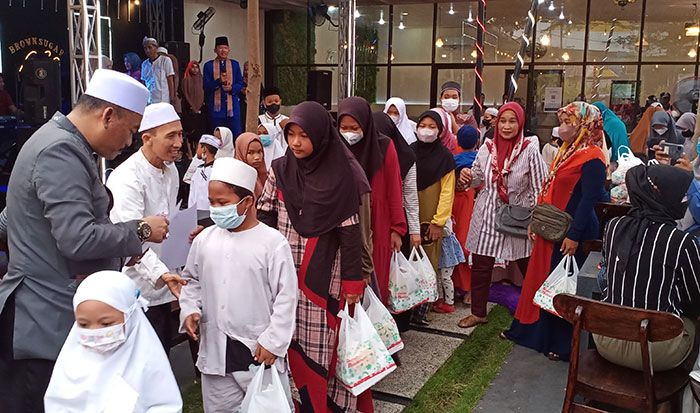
x: 241, y: 293
x: 207, y: 149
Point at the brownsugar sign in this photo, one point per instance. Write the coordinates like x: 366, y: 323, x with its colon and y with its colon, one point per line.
x: 32, y: 43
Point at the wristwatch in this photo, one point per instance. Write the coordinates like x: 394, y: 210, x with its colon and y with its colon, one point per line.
x: 143, y: 231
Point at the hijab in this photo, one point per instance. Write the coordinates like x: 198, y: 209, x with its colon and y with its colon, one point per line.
x: 656, y: 193
x: 226, y: 150
x: 433, y: 160
x: 322, y: 190
x: 370, y: 151
x: 615, y: 128
x: 638, y: 137
x: 406, y: 126
x: 448, y: 139
x: 135, y: 63
x: 504, y: 152
x: 687, y: 122
x: 386, y: 126
x: 88, y: 381
x: 672, y: 135
x: 193, y: 87
x: 242, y: 143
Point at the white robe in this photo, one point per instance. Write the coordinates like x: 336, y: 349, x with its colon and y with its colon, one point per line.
x: 244, y: 284
x: 273, y: 127
x: 199, y: 188
x: 140, y: 190
x: 273, y: 151
x: 84, y: 380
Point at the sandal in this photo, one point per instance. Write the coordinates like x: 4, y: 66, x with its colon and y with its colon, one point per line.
x: 471, y: 321
x: 553, y: 356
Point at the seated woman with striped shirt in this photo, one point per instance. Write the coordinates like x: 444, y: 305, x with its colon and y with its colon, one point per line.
x: 652, y: 265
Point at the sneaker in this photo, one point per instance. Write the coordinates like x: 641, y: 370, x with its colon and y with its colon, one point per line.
x: 443, y: 308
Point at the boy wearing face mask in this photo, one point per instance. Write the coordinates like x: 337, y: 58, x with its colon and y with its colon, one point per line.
x: 487, y: 120
x: 450, y: 100
x: 199, y: 188
x: 272, y: 121
x: 244, y: 297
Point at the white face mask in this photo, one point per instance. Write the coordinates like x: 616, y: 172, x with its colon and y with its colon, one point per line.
x: 102, y: 340
x: 661, y: 131
x: 395, y: 118
x: 450, y: 105
x: 427, y: 135
x: 352, y: 137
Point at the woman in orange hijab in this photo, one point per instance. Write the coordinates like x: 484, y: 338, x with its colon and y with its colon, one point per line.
x: 249, y: 149
x: 640, y: 134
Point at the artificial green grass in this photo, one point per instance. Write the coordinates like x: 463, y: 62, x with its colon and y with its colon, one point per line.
x: 461, y: 382
x: 457, y: 386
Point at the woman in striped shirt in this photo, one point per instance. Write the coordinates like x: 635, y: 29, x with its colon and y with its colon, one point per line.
x: 509, y: 170
x: 652, y: 265
x: 576, y: 183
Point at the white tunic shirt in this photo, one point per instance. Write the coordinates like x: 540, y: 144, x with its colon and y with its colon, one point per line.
x: 199, y: 188
x: 274, y: 128
x: 155, y: 76
x: 244, y: 284
x: 140, y: 190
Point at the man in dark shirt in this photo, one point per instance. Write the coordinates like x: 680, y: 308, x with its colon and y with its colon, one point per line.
x: 7, y: 106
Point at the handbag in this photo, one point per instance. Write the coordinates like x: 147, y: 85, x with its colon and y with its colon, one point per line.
x: 550, y: 223
x: 513, y: 220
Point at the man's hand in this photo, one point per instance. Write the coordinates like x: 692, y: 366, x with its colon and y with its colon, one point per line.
x: 684, y: 164
x: 531, y: 234
x: 192, y: 325
x: 159, y: 228
x: 465, y: 177
x: 395, y: 241
x: 568, y: 247
x: 174, y: 283
x: 434, y: 232
x: 196, y: 232
x: 415, y: 240
x: 264, y: 356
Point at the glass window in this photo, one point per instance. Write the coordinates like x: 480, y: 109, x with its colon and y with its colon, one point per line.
x: 614, y: 31
x: 494, y: 86
x: 456, y: 33
x: 505, y: 22
x: 413, y: 33
x: 465, y: 78
x: 412, y: 84
x: 325, y: 46
x: 678, y: 80
x: 565, y: 78
x: 665, y: 36
x: 561, y: 32
x: 370, y: 83
x: 616, y: 85
x: 372, y: 34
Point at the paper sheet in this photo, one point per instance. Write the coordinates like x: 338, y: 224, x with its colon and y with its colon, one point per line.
x: 175, y: 248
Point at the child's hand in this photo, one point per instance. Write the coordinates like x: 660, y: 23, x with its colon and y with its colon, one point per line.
x: 264, y: 356
x: 192, y: 325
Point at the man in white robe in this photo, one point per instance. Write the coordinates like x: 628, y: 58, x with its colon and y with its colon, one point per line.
x: 147, y: 184
x: 241, y: 291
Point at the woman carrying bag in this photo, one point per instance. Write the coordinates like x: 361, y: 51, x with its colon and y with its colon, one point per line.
x: 576, y: 183
x: 508, y: 172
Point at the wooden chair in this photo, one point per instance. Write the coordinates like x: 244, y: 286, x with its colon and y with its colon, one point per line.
x: 595, y: 378
x: 605, y: 211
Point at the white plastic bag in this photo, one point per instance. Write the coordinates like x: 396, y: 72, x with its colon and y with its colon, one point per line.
x: 268, y: 399
x: 405, y: 291
x: 428, y: 279
x: 625, y: 162
x: 561, y: 281
x: 363, y: 359
x: 382, y: 321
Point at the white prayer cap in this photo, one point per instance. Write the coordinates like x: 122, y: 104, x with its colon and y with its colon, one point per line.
x: 210, y: 140
x: 119, y: 89
x: 162, y: 50
x: 555, y: 132
x: 158, y: 114
x: 234, y: 172
x: 492, y: 111
x: 656, y: 105
x: 149, y: 40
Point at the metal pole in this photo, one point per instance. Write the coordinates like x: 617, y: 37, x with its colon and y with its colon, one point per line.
x: 524, y: 45
x: 599, y: 69
x: 479, y: 69
x: 346, y: 48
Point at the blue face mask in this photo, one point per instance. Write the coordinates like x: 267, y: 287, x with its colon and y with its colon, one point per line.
x: 226, y: 216
x: 266, y: 140
x: 698, y: 148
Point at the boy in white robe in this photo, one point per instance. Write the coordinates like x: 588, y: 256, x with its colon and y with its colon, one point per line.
x: 199, y: 185
x: 241, y: 292
x: 271, y: 126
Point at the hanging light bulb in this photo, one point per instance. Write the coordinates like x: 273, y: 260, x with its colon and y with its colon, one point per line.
x: 452, y: 9
x: 357, y: 14
x: 565, y: 57
x: 474, y: 53
x: 439, y: 42
x: 545, y: 40
x: 470, y: 18
x: 561, y: 14
x: 401, y: 25
x: 381, y: 17
x: 692, y: 53
x: 540, y: 1
x: 570, y: 22
x: 551, y: 6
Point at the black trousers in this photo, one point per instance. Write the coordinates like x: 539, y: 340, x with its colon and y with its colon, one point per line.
x: 23, y: 383
x: 161, y: 319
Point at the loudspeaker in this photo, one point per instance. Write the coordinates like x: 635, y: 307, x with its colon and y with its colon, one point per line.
x: 318, y: 87
x: 40, y: 89
x: 181, y: 50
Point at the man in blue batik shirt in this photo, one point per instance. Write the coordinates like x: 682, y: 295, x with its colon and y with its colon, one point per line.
x: 222, y: 83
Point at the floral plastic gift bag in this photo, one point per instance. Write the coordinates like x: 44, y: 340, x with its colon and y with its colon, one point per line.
x: 561, y: 281
x: 382, y: 321
x: 428, y: 279
x: 405, y: 290
x: 363, y: 359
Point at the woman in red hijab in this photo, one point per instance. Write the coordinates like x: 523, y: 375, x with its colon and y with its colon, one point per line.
x: 508, y: 170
